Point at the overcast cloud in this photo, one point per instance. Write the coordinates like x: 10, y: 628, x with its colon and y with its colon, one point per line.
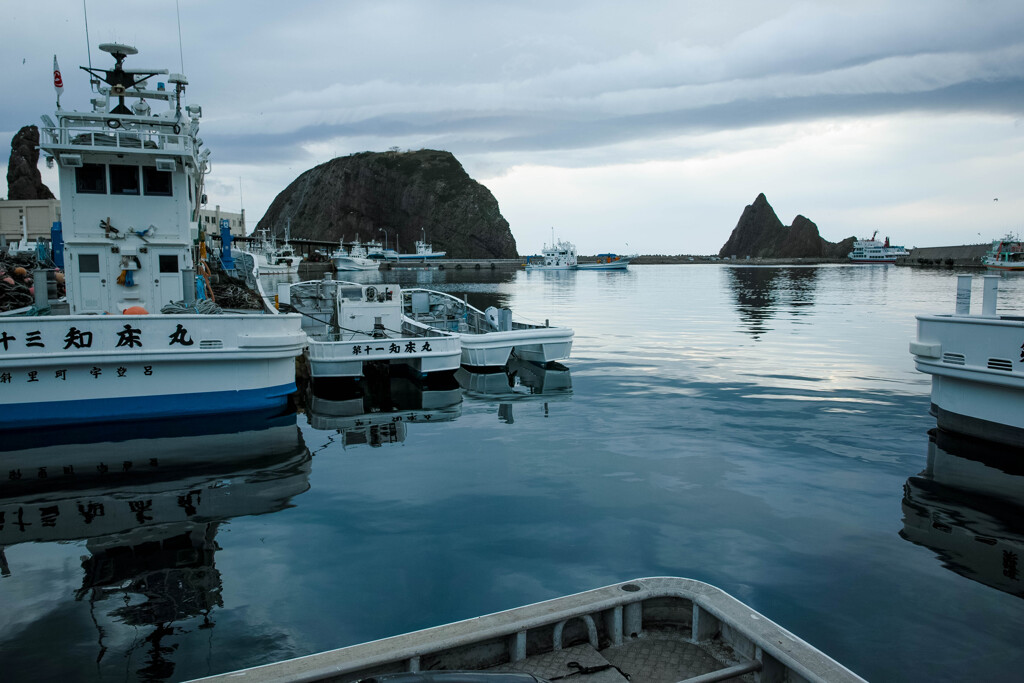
x: 651, y: 123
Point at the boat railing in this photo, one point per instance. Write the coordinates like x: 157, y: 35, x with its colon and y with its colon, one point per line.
x: 98, y: 139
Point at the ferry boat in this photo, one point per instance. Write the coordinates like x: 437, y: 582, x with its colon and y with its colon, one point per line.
x: 354, y: 256
x: 561, y: 255
x: 490, y: 337
x: 645, y: 631
x: 348, y: 325
x: 272, y: 259
x: 977, y: 366
x: 131, y: 183
x: 1006, y: 254
x: 873, y: 251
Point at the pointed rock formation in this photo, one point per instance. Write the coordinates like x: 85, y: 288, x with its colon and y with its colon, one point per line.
x: 23, y: 178
x: 760, y: 234
x: 403, y: 193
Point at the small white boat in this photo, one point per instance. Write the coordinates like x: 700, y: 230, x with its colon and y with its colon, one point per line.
x: 130, y: 182
x: 1006, y: 254
x: 350, y: 324
x: 977, y: 367
x: 646, y: 631
x: 353, y: 256
x: 607, y: 262
x: 424, y: 250
x: 873, y: 251
x: 490, y: 337
x: 272, y: 259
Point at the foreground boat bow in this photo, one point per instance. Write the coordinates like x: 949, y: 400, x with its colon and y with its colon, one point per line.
x: 644, y: 631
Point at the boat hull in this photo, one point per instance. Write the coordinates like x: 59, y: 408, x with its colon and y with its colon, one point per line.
x: 349, y: 264
x: 977, y: 369
x: 117, y: 368
x: 539, y: 344
x: 338, y: 359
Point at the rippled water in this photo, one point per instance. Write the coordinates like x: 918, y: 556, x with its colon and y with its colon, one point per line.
x: 761, y: 429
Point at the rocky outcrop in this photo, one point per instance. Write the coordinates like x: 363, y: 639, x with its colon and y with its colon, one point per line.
x: 760, y: 234
x: 402, y: 193
x: 23, y: 178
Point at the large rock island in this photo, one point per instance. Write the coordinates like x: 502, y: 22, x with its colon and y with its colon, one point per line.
x: 403, y: 193
x: 760, y: 234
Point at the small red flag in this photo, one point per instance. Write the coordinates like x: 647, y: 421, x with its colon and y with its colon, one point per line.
x: 58, y: 82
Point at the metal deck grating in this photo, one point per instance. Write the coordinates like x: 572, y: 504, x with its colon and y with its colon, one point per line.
x: 662, y: 658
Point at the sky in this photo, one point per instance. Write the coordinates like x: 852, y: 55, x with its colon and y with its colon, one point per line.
x: 630, y: 127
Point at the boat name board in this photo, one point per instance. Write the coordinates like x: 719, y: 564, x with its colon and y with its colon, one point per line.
x: 392, y: 348
x: 75, y: 338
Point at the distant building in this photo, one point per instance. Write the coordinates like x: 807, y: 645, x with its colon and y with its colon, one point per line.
x: 40, y: 215
x: 211, y: 218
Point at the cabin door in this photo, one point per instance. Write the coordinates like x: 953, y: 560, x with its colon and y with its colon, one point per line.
x: 92, y: 282
x: 168, y: 280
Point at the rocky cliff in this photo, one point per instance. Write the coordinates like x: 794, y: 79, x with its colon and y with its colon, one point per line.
x: 403, y: 193
x: 760, y: 234
x: 23, y: 178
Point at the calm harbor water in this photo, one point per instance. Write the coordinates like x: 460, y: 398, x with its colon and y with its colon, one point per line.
x: 761, y: 429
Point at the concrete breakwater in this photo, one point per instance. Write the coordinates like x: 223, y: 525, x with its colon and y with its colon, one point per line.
x: 964, y: 256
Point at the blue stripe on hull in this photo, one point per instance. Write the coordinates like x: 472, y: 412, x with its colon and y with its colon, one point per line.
x: 51, y: 413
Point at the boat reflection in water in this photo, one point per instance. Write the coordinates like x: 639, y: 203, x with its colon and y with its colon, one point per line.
x: 376, y: 409
x: 968, y: 507
x: 148, y: 511
x: 764, y: 291
x: 517, y: 381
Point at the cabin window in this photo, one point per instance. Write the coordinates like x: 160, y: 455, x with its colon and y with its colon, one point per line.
x: 124, y: 179
x: 156, y: 183
x: 88, y: 263
x: 91, y: 179
x: 168, y: 263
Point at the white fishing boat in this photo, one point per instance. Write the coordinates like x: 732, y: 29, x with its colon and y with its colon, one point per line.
x: 348, y: 324
x: 354, y: 256
x: 272, y: 259
x: 490, y: 337
x: 131, y: 182
x: 977, y: 366
x: 650, y: 630
x: 1006, y: 254
x: 424, y: 250
x: 874, y: 251
x: 606, y: 262
x: 560, y: 255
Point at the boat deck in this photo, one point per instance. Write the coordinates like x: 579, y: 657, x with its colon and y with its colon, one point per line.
x: 654, y: 658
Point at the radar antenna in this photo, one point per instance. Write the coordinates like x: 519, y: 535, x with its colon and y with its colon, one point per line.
x: 117, y: 78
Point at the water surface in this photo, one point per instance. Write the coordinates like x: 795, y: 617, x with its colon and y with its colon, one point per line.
x: 761, y: 429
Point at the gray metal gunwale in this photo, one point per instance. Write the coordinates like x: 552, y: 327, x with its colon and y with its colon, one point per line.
x: 779, y: 643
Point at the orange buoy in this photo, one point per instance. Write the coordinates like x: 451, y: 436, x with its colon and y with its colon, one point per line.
x: 135, y: 310
x: 20, y: 272
x: 60, y: 277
